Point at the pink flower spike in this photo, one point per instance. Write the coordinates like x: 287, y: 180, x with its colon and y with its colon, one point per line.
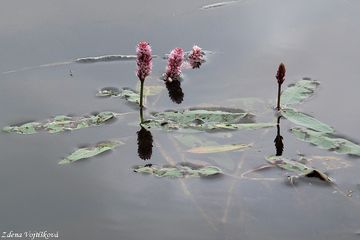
x: 196, y: 57
x: 173, y: 69
x: 143, y: 61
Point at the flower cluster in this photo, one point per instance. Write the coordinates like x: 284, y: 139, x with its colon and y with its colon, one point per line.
x: 280, y: 75
x: 173, y: 69
x: 196, y: 57
x: 143, y: 61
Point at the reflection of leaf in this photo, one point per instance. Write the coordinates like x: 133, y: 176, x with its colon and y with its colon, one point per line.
x: 298, y: 92
x: 61, y: 123
x: 220, y: 148
x: 178, y: 171
x: 205, y: 119
x: 326, y: 141
x: 192, y: 140
x: 88, y: 152
x: 150, y: 90
x: 298, y: 168
x: 305, y: 120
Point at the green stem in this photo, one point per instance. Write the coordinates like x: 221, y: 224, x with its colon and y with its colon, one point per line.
x: 141, y: 92
x: 278, y: 98
x: 141, y: 100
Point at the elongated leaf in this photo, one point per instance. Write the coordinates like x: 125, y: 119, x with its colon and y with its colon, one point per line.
x: 201, y: 119
x: 298, y: 168
x: 306, y: 121
x: 326, y: 141
x: 88, y: 152
x: 220, y: 148
x: 61, y: 123
x: 299, y: 92
x: 178, y: 171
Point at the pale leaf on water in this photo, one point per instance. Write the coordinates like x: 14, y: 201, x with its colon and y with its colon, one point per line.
x: 220, y: 148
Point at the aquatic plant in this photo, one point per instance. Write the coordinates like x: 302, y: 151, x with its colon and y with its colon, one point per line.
x: 173, y: 68
x: 196, y: 57
x: 144, y: 65
x: 280, y: 76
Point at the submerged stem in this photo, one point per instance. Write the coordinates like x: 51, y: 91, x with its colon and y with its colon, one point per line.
x: 278, y: 98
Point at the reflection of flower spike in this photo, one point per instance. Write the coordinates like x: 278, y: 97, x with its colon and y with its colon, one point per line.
x: 143, y: 60
x: 173, y: 69
x: 175, y: 92
x: 145, y: 143
x: 196, y: 57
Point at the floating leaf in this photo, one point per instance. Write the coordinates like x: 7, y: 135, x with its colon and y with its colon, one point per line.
x: 88, y: 152
x: 326, y: 141
x: 61, y: 123
x: 306, y: 120
x: 220, y: 148
x: 27, y: 128
x: 178, y: 171
x: 299, y: 91
x: 108, y: 92
x: 248, y: 126
x: 298, y: 168
x: 201, y: 119
x: 219, y: 4
x: 128, y: 94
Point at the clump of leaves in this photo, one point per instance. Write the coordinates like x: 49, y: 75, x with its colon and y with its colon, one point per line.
x: 61, y: 123
x: 205, y: 119
x: 300, y: 169
x: 180, y: 170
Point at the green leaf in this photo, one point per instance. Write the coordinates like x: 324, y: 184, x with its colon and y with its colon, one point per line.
x: 299, y: 92
x: 88, y: 152
x: 128, y: 94
x: 297, y: 167
x: 326, y: 141
x: 220, y: 148
x: 306, y: 121
x: 108, y: 92
x: 201, y: 119
x: 61, y: 123
x: 180, y: 170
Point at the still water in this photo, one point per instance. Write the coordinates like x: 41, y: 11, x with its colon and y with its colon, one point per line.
x: 102, y: 198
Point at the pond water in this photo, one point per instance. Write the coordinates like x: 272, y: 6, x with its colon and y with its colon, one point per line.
x: 102, y: 198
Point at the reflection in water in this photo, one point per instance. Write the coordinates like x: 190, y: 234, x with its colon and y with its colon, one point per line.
x: 279, y: 145
x: 144, y: 140
x: 196, y: 57
x: 175, y: 92
x: 145, y: 143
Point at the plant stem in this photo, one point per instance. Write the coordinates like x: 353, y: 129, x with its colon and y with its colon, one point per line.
x: 141, y: 100
x: 278, y: 98
x: 141, y: 92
